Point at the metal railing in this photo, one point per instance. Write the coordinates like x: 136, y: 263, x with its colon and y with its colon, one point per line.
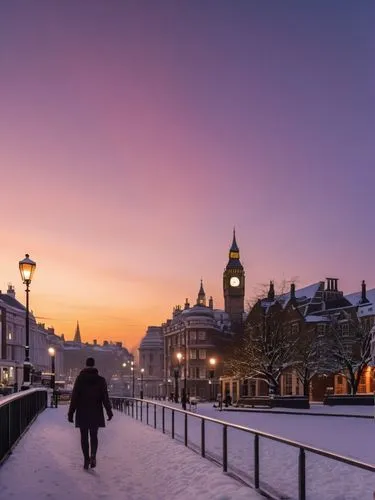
x: 17, y: 412
x: 140, y: 410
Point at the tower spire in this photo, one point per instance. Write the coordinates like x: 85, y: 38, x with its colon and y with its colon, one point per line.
x: 201, y: 299
x: 77, y: 335
x: 234, y: 252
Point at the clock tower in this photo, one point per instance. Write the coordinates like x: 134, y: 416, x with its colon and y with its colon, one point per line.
x: 234, y: 287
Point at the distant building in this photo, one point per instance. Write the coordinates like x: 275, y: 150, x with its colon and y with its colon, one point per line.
x: 151, y: 360
x: 109, y: 357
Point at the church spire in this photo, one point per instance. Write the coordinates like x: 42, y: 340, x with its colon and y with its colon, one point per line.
x: 77, y: 335
x: 201, y: 299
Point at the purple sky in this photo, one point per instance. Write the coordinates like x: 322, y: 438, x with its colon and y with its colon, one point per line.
x: 135, y: 134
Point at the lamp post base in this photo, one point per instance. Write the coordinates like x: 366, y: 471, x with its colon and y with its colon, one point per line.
x: 26, y: 375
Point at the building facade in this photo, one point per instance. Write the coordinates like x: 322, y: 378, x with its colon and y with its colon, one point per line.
x: 13, y: 339
x: 151, y: 361
x: 311, y: 311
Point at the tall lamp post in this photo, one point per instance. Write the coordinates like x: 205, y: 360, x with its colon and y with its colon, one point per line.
x: 211, y: 373
x: 142, y: 372
x: 52, y: 353
x: 133, y: 375
x: 176, y: 375
x: 27, y: 268
x: 184, y: 389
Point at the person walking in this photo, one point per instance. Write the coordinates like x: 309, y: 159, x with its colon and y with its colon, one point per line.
x: 89, y: 396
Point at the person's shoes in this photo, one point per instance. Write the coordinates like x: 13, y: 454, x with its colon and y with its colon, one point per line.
x: 86, y: 463
x: 93, y: 462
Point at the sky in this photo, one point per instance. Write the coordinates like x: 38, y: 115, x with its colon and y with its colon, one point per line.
x: 134, y: 135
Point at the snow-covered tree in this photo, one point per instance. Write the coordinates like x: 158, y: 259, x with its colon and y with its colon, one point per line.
x: 349, y: 350
x: 264, y: 352
x: 309, y: 354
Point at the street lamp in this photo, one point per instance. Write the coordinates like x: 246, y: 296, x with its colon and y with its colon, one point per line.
x: 142, y: 372
x: 52, y: 353
x: 184, y: 390
x: 27, y: 268
x: 176, y: 375
x: 132, y: 370
x: 211, y: 373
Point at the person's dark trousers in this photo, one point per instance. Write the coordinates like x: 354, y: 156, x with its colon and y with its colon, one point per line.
x: 85, y: 441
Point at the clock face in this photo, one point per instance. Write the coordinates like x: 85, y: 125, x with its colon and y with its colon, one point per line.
x: 234, y: 281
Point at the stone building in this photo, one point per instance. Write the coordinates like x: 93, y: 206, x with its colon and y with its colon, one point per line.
x: 109, y: 359
x: 151, y: 361
x: 13, y: 339
x: 311, y: 310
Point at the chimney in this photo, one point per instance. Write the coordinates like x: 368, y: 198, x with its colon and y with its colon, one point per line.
x: 271, y: 292
x: 211, y: 303
x: 363, y: 294
x: 187, y: 305
x: 292, y: 291
x: 11, y: 290
x: 95, y: 342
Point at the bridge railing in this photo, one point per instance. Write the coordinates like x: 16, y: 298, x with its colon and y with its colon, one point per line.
x: 181, y: 425
x: 17, y: 412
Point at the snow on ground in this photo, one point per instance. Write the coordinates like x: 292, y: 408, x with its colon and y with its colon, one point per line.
x: 135, y: 462
x: 326, y: 479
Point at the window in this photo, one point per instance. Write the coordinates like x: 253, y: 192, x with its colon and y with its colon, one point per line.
x: 345, y: 329
x: 202, y: 372
x: 9, y: 335
x: 193, y: 337
x: 193, y: 354
x: 202, y: 353
x: 287, y: 384
x: 202, y: 335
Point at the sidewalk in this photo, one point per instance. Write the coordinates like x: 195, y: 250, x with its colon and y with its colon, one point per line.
x: 135, y: 462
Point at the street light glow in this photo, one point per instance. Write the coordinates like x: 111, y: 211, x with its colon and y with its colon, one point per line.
x: 142, y: 370
x: 212, y: 361
x: 27, y: 268
x: 179, y: 356
x: 51, y: 351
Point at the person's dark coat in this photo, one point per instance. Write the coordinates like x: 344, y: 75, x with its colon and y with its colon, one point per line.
x: 89, y: 396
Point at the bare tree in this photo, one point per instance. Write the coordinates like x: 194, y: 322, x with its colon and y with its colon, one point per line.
x: 309, y: 360
x: 349, y: 351
x: 265, y: 351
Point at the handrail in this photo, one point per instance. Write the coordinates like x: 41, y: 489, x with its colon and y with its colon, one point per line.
x: 295, y: 444
x: 17, y: 412
x: 17, y: 395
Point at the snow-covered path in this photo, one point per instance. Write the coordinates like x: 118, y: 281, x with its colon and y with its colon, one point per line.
x: 135, y: 462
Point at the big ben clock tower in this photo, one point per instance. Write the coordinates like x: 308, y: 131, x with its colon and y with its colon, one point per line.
x: 234, y: 287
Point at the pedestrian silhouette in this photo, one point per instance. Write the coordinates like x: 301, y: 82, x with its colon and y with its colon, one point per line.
x: 89, y: 396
